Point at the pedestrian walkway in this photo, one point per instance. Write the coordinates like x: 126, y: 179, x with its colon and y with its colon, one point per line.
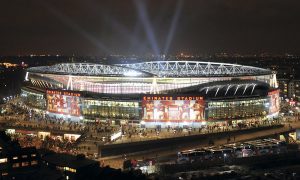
x: 165, y: 154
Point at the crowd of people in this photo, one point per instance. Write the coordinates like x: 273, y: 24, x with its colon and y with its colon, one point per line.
x: 56, y: 144
x: 17, y: 114
x: 134, y: 133
x: 59, y: 145
x: 27, y: 140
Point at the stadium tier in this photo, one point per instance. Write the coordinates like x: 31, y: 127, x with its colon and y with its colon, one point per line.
x: 154, y: 94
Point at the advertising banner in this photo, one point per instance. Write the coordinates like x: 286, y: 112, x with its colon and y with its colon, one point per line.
x: 180, y: 108
x: 274, y: 101
x: 62, y: 102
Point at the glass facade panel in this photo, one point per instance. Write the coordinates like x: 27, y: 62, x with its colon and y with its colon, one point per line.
x: 129, y: 85
x: 238, y: 109
x: 93, y: 109
x: 33, y: 99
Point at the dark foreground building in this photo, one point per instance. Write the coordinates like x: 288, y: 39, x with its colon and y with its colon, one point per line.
x: 73, y: 167
x: 17, y: 162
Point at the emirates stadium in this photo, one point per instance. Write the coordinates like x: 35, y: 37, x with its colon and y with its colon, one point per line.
x: 154, y: 94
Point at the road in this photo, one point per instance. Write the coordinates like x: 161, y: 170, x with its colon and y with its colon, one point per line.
x: 170, y: 154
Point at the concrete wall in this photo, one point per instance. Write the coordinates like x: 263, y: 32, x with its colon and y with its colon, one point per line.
x: 170, y: 143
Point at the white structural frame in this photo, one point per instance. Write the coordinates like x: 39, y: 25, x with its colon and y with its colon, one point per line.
x: 195, y: 68
x: 86, y: 69
x: 229, y: 86
x: 154, y: 68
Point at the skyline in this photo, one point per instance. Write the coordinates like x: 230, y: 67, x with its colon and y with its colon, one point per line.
x: 148, y: 27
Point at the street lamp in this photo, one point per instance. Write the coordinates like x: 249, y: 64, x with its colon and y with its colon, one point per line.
x: 225, y: 155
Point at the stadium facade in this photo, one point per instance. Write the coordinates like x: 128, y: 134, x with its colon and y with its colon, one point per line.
x: 154, y: 94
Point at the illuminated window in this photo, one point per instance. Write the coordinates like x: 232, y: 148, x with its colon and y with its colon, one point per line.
x: 33, y: 155
x: 4, y: 174
x: 70, y: 169
x: 15, y: 157
x: 15, y: 165
x: 25, y: 163
x: 3, y: 160
x: 24, y: 156
x: 34, y: 162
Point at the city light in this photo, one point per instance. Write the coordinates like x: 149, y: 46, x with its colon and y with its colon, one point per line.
x: 132, y: 73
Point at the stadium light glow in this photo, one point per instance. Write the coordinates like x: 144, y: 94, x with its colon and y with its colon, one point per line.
x: 160, y: 83
x: 26, y: 76
x: 144, y: 18
x: 132, y: 73
x: 76, y: 27
x: 173, y: 26
x: 267, y: 104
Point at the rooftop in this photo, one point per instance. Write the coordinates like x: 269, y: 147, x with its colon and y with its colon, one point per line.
x: 153, y: 68
x: 67, y: 160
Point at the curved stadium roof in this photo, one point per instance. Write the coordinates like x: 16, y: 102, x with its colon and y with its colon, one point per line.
x: 88, y: 69
x: 153, y: 68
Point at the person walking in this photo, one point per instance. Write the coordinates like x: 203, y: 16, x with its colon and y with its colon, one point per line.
x: 228, y: 139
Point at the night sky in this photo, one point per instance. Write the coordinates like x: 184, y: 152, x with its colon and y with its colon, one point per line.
x: 91, y: 27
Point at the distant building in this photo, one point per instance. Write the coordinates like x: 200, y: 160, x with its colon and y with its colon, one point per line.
x: 289, y: 88
x: 283, y: 86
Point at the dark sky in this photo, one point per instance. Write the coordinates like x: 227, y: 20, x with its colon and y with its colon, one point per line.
x: 96, y: 27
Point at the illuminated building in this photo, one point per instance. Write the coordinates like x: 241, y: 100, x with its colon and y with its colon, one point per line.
x: 157, y: 93
x: 289, y: 88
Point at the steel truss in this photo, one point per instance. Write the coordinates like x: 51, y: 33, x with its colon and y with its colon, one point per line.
x: 86, y: 69
x: 154, y: 68
x: 195, y: 68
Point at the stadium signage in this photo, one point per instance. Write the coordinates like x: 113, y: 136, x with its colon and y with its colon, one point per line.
x: 167, y: 98
x: 273, y: 92
x: 63, y: 93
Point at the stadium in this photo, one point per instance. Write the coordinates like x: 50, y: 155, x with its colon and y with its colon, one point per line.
x: 154, y: 94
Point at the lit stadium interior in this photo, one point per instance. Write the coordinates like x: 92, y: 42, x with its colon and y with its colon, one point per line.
x: 154, y: 94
